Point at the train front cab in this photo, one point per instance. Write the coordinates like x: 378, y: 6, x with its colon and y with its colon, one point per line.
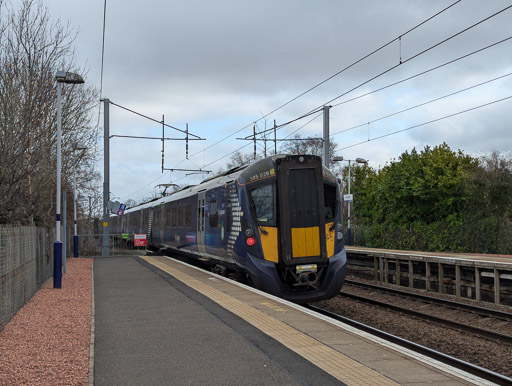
x: 298, y: 218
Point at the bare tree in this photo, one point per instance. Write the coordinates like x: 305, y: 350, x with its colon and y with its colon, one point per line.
x: 32, y: 49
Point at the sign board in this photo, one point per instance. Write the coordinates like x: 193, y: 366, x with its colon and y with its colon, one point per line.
x: 116, y: 207
x: 139, y: 240
x: 113, y: 206
x: 348, y: 197
x: 121, y: 209
x: 125, y: 236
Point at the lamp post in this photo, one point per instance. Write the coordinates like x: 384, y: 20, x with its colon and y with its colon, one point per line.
x: 359, y: 161
x: 70, y: 78
x: 76, y: 147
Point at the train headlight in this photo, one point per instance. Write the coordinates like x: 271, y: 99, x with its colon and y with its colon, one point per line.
x: 339, y: 235
x: 250, y: 241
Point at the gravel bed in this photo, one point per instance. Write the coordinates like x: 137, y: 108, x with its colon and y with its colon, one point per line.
x: 47, y: 341
x: 460, y: 316
x: 483, y: 352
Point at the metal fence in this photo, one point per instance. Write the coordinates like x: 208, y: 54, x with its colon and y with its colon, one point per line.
x: 25, y: 264
x: 90, y: 245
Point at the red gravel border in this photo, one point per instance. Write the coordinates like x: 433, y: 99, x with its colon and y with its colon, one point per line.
x: 47, y: 341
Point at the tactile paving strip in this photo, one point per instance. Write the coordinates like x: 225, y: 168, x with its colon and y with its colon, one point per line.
x: 331, y: 361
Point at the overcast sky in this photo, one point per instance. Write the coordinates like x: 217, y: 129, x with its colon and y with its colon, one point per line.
x: 221, y: 65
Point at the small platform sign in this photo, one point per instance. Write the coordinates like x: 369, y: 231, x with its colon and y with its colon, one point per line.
x: 121, y: 209
x: 139, y: 240
x: 348, y: 197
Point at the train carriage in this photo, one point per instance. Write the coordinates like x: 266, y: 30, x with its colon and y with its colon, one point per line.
x: 275, y: 223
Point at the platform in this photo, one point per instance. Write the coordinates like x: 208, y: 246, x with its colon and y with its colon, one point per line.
x: 159, y: 321
x: 470, y: 275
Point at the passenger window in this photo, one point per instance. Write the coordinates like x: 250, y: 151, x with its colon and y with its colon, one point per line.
x: 180, y: 217
x: 263, y: 201
x: 174, y: 217
x: 188, y: 216
x: 329, y: 202
x: 156, y: 217
x: 168, y: 217
x: 213, y: 216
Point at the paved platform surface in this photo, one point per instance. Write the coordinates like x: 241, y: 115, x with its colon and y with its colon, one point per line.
x: 158, y: 321
x: 154, y: 330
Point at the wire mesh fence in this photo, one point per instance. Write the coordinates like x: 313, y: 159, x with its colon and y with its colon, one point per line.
x: 25, y: 264
x: 91, y: 245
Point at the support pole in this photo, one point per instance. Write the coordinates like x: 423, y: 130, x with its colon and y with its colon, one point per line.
x: 64, y: 233
x: 441, y: 278
x: 458, y: 280
x: 427, y: 276
x: 411, y: 274
x: 163, y: 141
x: 496, y: 286
x: 397, y: 272
x: 105, y: 249
x: 326, y: 136
x: 254, y: 132
x: 478, y: 294
x: 75, y: 235
x: 348, y: 205
x: 57, y: 246
x: 275, y: 137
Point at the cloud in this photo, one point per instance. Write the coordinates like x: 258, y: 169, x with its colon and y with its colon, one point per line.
x: 219, y: 66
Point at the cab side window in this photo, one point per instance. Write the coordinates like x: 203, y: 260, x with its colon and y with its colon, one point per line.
x: 329, y: 202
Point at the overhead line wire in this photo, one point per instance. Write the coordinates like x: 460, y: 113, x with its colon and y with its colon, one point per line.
x: 426, y: 123
x: 284, y: 124
x: 330, y: 77
x: 391, y: 85
x: 152, y: 119
x: 421, y: 104
x: 423, y: 72
x: 418, y: 54
x: 304, y: 125
x: 361, y: 59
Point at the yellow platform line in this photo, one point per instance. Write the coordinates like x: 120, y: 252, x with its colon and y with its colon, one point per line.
x: 331, y: 361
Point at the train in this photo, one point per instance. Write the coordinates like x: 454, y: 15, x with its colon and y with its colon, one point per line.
x: 275, y: 224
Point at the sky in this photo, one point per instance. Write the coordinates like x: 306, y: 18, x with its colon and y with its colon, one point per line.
x: 219, y: 66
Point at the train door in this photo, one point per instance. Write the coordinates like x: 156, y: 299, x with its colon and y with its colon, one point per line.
x: 301, y: 212
x: 201, y: 197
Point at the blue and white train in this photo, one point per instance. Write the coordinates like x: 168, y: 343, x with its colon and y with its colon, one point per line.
x: 277, y: 224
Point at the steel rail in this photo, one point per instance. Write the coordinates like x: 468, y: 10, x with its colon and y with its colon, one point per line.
x: 447, y: 303
x: 495, y: 336
x: 444, y: 358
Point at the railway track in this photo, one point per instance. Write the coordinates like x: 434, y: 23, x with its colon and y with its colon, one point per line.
x: 447, y: 359
x: 455, y: 315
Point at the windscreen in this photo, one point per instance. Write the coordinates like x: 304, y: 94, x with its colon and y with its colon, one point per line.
x: 263, y: 200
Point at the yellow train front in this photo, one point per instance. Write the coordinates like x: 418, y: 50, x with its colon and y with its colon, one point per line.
x: 287, y: 228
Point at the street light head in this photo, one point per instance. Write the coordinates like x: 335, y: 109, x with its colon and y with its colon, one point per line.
x: 337, y: 159
x: 68, y: 77
x: 361, y: 161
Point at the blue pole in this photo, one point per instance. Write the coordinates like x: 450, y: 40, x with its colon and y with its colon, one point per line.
x: 57, y: 264
x: 75, y: 240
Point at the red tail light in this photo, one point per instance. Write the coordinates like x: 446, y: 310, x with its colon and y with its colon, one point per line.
x: 250, y: 241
